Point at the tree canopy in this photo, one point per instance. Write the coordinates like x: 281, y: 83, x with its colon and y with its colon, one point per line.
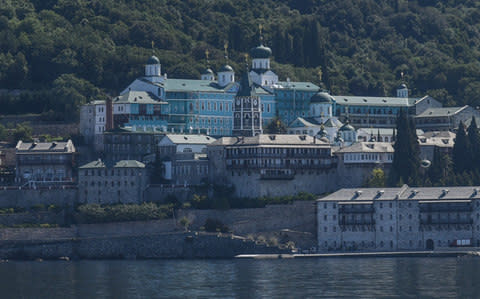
x: 346, y: 46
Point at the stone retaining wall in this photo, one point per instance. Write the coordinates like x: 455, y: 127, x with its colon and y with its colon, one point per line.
x: 299, y: 216
x: 32, y: 218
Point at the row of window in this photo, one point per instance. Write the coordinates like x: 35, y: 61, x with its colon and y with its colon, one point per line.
x: 112, y: 183
x: 368, y: 157
x: 105, y: 172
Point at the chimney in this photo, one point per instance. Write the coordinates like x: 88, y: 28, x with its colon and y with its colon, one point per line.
x: 109, y: 116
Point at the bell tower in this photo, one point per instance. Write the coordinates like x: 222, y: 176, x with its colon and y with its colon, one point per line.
x: 247, y: 115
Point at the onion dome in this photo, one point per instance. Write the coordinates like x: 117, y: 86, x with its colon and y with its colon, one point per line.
x: 261, y: 52
x: 321, y: 97
x: 402, y: 86
x: 207, y: 72
x: 226, y: 68
x: 153, y: 60
x: 347, y: 127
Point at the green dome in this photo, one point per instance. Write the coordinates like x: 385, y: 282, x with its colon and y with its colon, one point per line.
x: 226, y: 68
x: 261, y: 52
x: 347, y: 127
x: 321, y: 97
x: 153, y: 60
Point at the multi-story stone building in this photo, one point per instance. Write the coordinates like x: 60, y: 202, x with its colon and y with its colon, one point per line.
x: 124, y: 182
x: 356, y: 162
x: 184, y: 158
x: 440, y: 141
x: 404, y: 218
x: 272, y: 165
x: 445, y: 119
x: 44, y: 162
x: 129, y: 144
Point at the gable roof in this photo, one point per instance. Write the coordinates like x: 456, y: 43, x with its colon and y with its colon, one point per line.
x: 45, y: 147
x: 137, y: 97
x: 129, y: 164
x: 374, y: 101
x: 303, y: 86
x: 441, y: 112
x: 301, y: 122
x: 187, y: 139
x: 427, y: 194
x: 368, y: 147
x: 120, y: 164
x: 271, y: 139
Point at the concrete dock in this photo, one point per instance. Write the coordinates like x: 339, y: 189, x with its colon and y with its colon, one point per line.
x: 447, y: 253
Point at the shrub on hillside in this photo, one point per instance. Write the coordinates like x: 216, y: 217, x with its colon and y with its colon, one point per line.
x: 95, y: 213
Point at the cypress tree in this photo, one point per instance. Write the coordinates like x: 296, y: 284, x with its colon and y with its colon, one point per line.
x: 406, y: 161
x: 474, y: 141
x: 440, y: 169
x: 461, y: 151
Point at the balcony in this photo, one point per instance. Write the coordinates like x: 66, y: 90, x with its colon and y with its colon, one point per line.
x: 445, y: 207
x: 278, y: 176
x: 344, y: 222
x: 356, y: 209
x: 445, y: 221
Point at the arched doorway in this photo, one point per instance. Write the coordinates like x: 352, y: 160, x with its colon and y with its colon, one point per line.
x: 430, y: 245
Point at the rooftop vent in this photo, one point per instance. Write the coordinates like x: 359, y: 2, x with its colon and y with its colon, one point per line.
x: 272, y: 137
x: 444, y: 192
x: 384, y: 100
x: 185, y: 137
x: 358, y: 192
x: 365, y: 100
x: 475, y: 192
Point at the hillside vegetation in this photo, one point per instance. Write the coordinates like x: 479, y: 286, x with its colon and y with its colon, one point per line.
x: 67, y: 52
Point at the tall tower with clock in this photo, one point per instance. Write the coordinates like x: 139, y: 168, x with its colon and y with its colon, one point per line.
x: 247, y: 114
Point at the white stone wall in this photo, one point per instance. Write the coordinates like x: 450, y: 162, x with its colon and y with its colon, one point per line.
x: 125, y: 185
x: 397, y: 228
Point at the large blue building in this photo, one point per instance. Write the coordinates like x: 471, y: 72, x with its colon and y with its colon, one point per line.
x: 205, y: 105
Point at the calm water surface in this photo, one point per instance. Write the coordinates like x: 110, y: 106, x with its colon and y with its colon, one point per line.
x: 307, y: 278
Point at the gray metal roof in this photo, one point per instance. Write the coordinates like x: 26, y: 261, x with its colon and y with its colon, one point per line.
x: 120, y: 164
x: 368, y: 147
x: 383, y: 131
x: 137, y: 97
x: 188, y: 139
x: 440, y: 112
x: 303, y: 86
x: 44, y: 147
x: 374, y: 101
x: 271, y: 139
x: 129, y: 164
x: 405, y: 193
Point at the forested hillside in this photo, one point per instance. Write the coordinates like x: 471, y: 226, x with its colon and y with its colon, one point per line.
x: 70, y: 51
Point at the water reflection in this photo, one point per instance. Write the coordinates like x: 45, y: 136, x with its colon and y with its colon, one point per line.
x: 308, y: 278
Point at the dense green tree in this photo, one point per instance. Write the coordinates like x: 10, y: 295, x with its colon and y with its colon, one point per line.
x: 361, y: 47
x: 440, y: 169
x: 275, y: 126
x: 406, y: 161
x: 474, y: 143
x: 461, y: 151
x: 377, y: 178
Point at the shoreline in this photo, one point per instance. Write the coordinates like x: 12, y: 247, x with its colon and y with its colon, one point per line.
x: 448, y: 253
